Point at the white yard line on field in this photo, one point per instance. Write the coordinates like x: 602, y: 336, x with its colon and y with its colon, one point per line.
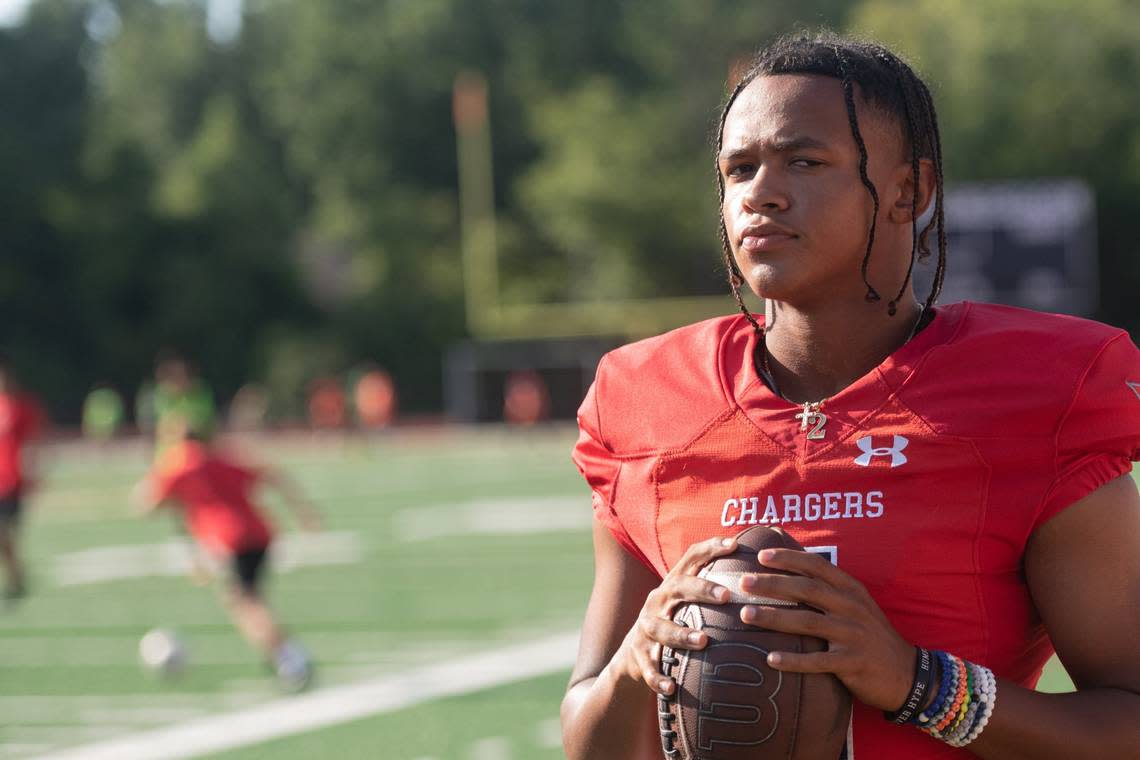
x: 499, y: 517
x: 294, y: 715
x: 113, y: 563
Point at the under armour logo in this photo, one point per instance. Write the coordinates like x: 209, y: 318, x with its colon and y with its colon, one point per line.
x: 866, y: 444
x: 1134, y: 386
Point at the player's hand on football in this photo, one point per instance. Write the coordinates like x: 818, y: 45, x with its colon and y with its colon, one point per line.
x: 864, y: 651
x: 640, y: 652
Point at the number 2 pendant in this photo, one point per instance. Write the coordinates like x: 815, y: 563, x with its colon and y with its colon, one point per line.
x: 813, y: 417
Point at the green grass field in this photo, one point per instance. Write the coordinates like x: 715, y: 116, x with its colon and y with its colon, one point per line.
x: 400, y: 580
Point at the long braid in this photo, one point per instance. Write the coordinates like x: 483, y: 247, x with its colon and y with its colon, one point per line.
x: 904, y: 75
x: 849, y: 99
x: 735, y: 276
x: 939, y: 217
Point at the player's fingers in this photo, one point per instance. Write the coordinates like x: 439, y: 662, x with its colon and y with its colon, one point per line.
x: 690, y: 588
x: 797, y: 588
x: 668, y: 633
x: 649, y: 665
x: 799, y: 622
x: 809, y: 564
x: 701, y: 553
x: 798, y: 662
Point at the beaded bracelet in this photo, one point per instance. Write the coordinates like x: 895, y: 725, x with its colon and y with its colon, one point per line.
x: 957, y: 733
x: 987, y: 697
x: 967, y: 700
x: 962, y: 707
x: 944, y: 682
x: 956, y: 703
x: 950, y: 670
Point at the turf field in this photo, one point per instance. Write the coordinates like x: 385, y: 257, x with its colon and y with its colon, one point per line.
x: 446, y: 556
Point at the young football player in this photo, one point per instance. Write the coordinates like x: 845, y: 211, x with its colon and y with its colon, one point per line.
x: 966, y: 467
x: 20, y: 421
x: 214, y: 493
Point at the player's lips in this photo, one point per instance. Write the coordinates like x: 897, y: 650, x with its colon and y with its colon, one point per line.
x: 765, y: 237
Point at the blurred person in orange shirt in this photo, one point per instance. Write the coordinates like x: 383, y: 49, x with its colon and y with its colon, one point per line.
x: 21, y: 419
x: 213, y: 491
x: 374, y: 396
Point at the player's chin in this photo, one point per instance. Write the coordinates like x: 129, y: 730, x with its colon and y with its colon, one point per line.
x: 774, y: 281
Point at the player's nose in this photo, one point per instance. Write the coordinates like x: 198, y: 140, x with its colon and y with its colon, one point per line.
x: 766, y: 192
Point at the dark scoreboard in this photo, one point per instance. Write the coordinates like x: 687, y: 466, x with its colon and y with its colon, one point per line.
x: 1030, y: 244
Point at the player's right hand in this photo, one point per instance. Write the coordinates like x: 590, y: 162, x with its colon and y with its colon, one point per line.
x: 640, y: 654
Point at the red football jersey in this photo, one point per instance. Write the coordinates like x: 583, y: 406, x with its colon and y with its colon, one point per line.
x: 932, y: 472
x: 20, y: 420
x: 215, y: 496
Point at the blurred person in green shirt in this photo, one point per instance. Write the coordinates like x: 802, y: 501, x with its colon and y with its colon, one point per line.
x: 181, y: 399
x: 102, y: 413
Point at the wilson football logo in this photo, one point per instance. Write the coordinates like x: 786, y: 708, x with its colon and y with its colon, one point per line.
x: 728, y: 670
x: 867, y: 445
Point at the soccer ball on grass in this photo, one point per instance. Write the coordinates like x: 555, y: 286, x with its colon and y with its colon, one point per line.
x: 162, y: 652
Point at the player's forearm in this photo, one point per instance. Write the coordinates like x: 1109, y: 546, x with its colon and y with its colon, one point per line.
x: 1030, y: 725
x: 609, y: 717
x: 292, y: 496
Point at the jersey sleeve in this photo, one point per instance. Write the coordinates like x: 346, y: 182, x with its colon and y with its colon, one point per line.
x: 1099, y: 435
x: 600, y: 466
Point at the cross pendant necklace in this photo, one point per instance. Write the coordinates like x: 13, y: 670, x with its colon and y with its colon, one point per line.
x: 813, y: 417
x: 812, y: 420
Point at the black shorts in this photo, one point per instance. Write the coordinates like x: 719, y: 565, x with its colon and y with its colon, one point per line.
x: 247, y: 566
x: 10, y: 506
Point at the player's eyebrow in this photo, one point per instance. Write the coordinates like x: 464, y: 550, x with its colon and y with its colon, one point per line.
x: 777, y: 145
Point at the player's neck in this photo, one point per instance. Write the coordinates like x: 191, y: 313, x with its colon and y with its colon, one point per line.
x: 812, y: 355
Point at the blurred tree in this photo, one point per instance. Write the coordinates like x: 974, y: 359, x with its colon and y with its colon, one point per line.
x: 623, y: 191
x: 45, y: 92
x: 213, y: 275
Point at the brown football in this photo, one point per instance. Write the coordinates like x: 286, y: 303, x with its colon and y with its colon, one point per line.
x: 728, y: 704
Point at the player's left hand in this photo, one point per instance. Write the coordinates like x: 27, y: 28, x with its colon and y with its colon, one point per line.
x: 864, y: 650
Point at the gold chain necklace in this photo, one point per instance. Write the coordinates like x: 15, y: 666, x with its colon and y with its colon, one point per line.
x: 812, y: 419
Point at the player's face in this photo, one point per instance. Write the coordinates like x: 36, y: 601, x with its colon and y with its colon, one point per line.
x: 796, y: 212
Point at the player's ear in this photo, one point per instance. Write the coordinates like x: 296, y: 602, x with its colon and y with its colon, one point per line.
x: 902, y: 207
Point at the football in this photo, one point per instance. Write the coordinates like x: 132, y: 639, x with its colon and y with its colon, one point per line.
x: 728, y: 704
x: 162, y: 652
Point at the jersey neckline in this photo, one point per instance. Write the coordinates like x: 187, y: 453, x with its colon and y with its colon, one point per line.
x: 846, y: 410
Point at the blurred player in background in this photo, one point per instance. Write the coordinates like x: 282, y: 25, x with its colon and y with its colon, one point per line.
x: 966, y: 467
x: 21, y: 420
x: 102, y: 413
x: 181, y: 400
x: 214, y: 492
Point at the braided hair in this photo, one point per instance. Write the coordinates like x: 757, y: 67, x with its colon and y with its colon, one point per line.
x: 886, y: 82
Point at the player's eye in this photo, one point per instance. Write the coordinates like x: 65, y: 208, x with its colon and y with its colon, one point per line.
x: 740, y: 170
x: 806, y: 163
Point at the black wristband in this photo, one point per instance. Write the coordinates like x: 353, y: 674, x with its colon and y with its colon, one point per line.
x: 923, y: 678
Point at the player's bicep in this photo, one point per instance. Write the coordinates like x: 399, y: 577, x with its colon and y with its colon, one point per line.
x: 1084, y: 577
x: 621, y: 583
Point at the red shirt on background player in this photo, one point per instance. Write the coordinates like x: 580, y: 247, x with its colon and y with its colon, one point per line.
x: 214, y: 493
x: 965, y: 468
x: 21, y: 420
